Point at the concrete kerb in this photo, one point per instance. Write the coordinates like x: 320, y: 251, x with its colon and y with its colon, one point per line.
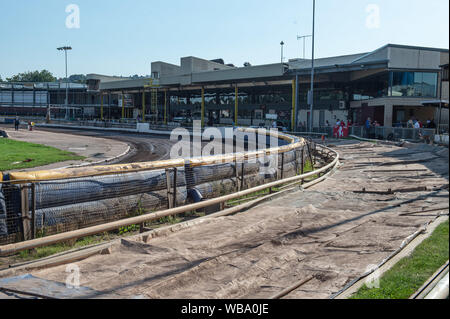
x: 107, y: 129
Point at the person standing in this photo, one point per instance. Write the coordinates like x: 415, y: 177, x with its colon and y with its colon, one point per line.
x: 367, y: 127
x: 16, y: 123
x: 410, y: 124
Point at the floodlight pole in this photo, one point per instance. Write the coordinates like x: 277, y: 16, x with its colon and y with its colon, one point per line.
x: 312, y: 69
x: 65, y: 49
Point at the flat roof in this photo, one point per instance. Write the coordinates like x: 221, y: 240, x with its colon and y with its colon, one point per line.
x: 377, y: 59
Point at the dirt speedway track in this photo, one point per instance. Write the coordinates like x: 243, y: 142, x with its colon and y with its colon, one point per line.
x: 144, y: 148
x: 333, y: 231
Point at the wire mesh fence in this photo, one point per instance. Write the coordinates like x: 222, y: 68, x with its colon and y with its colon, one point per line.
x: 39, y: 209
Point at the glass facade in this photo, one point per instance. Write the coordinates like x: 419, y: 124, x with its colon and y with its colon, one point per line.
x: 370, y: 88
x: 413, y: 84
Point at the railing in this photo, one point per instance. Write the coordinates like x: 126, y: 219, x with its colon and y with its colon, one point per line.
x: 382, y: 133
x: 392, y: 133
x: 126, y: 124
x: 48, y: 203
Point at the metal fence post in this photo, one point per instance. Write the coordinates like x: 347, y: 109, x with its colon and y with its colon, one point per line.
x: 302, y: 169
x: 174, y: 195
x: 33, y: 211
x: 236, y: 173
x: 26, y: 220
x: 169, y: 190
x: 314, y: 152
x: 242, y: 175
x: 310, y: 155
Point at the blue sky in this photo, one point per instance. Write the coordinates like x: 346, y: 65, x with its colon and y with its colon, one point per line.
x: 123, y: 37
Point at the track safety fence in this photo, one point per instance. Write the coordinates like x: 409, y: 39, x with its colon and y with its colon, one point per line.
x: 39, y: 204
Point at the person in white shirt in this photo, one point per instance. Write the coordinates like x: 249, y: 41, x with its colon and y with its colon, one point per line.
x: 416, y: 124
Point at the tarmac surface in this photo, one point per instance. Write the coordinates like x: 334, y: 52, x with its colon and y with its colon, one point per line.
x: 335, y: 231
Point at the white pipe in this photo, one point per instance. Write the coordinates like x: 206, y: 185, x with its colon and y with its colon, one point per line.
x: 441, y: 289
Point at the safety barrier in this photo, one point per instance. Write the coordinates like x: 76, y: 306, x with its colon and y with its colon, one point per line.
x: 43, y: 203
x: 381, y: 133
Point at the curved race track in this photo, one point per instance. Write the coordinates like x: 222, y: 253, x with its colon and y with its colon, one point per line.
x: 144, y: 148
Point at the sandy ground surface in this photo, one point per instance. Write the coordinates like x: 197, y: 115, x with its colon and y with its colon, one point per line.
x: 328, y: 231
x: 94, y: 149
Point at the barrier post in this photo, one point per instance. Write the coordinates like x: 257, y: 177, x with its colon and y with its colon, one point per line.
x: 314, y: 152
x: 242, y: 175
x: 282, y: 165
x: 302, y: 170
x: 174, y: 197
x: 25, y: 205
x: 33, y: 211
x: 236, y: 173
x: 169, y: 190
x: 310, y: 154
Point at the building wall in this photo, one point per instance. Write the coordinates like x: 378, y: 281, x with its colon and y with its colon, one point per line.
x: 445, y: 90
x: 165, y: 69
x: 444, y: 116
x: 193, y: 64
x: 405, y: 58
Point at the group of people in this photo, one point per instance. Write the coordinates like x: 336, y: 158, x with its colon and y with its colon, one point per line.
x: 341, y: 123
x: 369, y: 123
x: 417, y: 124
x: 17, y: 124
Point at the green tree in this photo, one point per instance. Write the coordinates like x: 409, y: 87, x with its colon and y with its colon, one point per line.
x: 77, y: 78
x: 33, y: 76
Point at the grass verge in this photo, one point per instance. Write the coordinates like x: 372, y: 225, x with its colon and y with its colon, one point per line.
x: 18, y: 155
x: 410, y: 273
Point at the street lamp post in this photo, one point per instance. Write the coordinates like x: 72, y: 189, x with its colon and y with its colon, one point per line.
x: 65, y: 49
x: 312, y: 69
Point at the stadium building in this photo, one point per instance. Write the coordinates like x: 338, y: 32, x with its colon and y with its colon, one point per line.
x: 390, y: 85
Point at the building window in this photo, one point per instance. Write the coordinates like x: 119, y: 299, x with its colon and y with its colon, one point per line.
x: 414, y: 84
